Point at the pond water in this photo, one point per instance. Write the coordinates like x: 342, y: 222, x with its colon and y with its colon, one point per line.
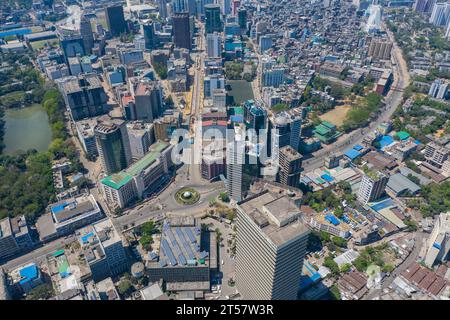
x: 241, y: 91
x: 26, y: 128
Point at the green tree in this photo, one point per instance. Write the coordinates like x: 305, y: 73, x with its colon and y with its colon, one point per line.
x: 124, y: 287
x: 41, y: 292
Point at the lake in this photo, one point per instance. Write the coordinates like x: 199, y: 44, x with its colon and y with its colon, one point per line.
x: 26, y: 128
x: 241, y: 91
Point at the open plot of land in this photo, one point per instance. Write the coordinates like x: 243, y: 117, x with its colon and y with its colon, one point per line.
x: 336, y: 116
x: 38, y: 45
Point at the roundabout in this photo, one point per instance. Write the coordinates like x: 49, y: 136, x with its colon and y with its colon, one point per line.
x: 187, y: 196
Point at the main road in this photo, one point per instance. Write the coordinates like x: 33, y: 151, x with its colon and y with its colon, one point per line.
x: 392, y: 101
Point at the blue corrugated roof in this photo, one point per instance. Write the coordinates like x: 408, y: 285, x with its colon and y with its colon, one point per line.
x: 331, y: 218
x: 327, y: 177
x: 358, y: 147
x: 352, y: 154
x: 28, y: 273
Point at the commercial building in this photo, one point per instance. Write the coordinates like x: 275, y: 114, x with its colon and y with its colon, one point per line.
x: 148, y: 102
x: 372, y: 186
x: 235, y: 156
x: 213, y: 22
x: 115, y: 20
x: 439, y: 241
x: 380, y: 49
x: 86, y: 34
x: 270, y: 247
x: 211, y: 83
x: 67, y: 215
x: 141, y: 137
x: 213, y: 158
x: 14, y: 237
x: 84, y: 95
x: 86, y: 136
x: 290, y: 162
x: 326, y: 132
x: 214, y: 45
x: 113, y: 145
x: 103, y: 250
x: 26, y: 278
x: 436, y: 154
x: 185, y: 258
x: 144, y: 175
x: 149, y: 35
x: 182, y: 30
x: 72, y: 45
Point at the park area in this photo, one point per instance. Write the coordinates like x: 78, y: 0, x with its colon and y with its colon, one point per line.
x: 336, y: 116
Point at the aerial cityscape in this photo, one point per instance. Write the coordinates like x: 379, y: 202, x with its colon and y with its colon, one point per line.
x: 225, y: 150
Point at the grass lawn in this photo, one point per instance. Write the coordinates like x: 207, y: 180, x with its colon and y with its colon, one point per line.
x: 336, y: 116
x: 38, y: 45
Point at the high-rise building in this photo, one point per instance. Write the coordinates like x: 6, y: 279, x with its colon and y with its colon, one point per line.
x: 214, y: 45
x: 380, y: 49
x: 212, y: 82
x: 235, y: 7
x: 235, y: 156
x: 213, y: 22
x: 113, y: 145
x: 115, y: 20
x: 86, y: 34
x: 265, y: 43
x: 439, y: 89
x: 84, y: 95
x: 242, y: 18
x: 225, y: 6
x: 436, y: 154
x: 103, y: 250
x: 72, y: 45
x: 148, y: 102
x: 374, y: 20
x: 179, y: 6
x: 290, y: 166
x: 440, y: 15
x: 162, y: 9
x: 182, y: 30
x: 439, y: 241
x: 14, y: 236
x: 141, y: 137
x: 149, y: 35
x: 372, y: 186
x: 270, y: 247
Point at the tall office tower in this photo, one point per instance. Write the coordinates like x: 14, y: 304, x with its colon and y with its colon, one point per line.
x: 148, y: 101
x: 439, y: 89
x: 380, y: 49
x: 225, y: 6
x: 439, y: 241
x: 141, y: 137
x: 255, y: 115
x: 86, y: 34
x: 214, y: 45
x: 440, y: 15
x: 372, y: 186
x: 290, y: 162
x: 113, y: 145
x: 162, y: 9
x: 271, y: 245
x: 235, y: 161
x: 191, y: 7
x: 213, y: 21
x: 242, y: 18
x: 182, y: 30
x: 115, y: 20
x: 374, y: 20
x: 265, y: 43
x: 72, y: 45
x: 235, y: 7
x: 447, y: 30
x: 149, y: 35
x: 179, y: 6
x: 420, y: 5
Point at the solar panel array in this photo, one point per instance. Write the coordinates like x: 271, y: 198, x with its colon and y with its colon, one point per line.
x: 180, y: 245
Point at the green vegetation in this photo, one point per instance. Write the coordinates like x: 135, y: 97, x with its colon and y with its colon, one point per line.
x: 279, y: 107
x: 160, y: 69
x: 335, y: 293
x: 369, y: 256
x: 437, y: 199
x: 125, y: 287
x: 332, y: 265
x: 41, y: 292
x: 340, y: 242
x: 346, y: 267
x: 363, y: 111
x: 327, y: 199
x: 146, y: 231
x: 224, y: 196
x: 233, y: 70
x: 187, y: 196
